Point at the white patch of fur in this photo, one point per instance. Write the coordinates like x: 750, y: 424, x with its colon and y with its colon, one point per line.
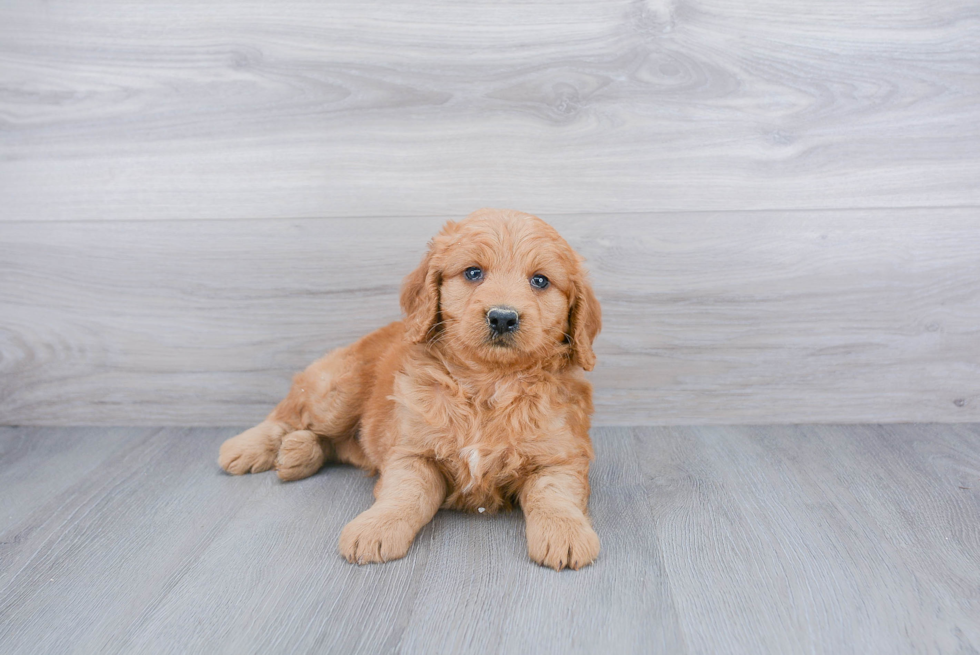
x: 472, y: 457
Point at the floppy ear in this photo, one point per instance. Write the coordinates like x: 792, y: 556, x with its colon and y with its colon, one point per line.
x: 420, y: 299
x: 584, y: 322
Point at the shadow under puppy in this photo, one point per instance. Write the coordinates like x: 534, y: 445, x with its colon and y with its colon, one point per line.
x: 476, y: 401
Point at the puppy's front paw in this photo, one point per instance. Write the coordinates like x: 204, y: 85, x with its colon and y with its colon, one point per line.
x: 561, y: 541
x: 375, y: 537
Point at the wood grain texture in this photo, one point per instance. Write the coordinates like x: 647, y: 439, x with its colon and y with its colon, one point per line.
x: 819, y: 539
x: 34, y: 469
x: 856, y: 316
x: 790, y: 539
x: 230, y: 109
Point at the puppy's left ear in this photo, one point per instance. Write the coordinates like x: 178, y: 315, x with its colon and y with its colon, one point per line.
x: 420, y: 299
x: 584, y: 322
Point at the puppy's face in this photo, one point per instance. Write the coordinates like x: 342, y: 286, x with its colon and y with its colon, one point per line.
x: 503, y: 287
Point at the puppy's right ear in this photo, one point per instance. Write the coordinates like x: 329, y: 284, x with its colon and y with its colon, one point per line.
x: 420, y: 294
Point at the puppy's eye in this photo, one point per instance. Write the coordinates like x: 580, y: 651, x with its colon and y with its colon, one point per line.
x: 539, y: 281
x: 473, y: 273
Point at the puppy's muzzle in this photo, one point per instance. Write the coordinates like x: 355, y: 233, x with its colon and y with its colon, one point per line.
x: 503, y: 320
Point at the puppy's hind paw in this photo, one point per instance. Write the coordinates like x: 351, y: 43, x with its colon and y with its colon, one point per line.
x: 300, y: 456
x: 238, y: 459
x: 253, y: 451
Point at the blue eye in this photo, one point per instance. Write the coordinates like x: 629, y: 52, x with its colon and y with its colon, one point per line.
x: 539, y: 281
x: 473, y: 273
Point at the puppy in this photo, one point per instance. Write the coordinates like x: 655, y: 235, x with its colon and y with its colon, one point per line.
x: 476, y: 401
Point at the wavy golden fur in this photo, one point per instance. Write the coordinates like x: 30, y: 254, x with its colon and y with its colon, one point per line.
x: 451, y: 411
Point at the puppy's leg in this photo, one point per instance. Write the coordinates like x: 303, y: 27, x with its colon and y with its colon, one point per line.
x: 323, y: 407
x: 283, y: 440
x: 555, y: 503
x: 254, y: 450
x: 409, y: 493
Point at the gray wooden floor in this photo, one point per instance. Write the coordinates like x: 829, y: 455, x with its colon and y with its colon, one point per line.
x: 791, y: 539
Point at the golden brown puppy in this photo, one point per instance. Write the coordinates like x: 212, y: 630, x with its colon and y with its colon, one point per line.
x: 476, y: 401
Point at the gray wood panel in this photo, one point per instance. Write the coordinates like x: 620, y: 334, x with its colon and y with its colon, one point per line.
x: 790, y: 539
x: 230, y: 109
x: 847, y: 316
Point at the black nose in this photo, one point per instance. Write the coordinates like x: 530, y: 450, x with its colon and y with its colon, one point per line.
x: 503, y: 320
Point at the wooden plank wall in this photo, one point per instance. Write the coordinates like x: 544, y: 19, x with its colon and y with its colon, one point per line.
x: 779, y: 201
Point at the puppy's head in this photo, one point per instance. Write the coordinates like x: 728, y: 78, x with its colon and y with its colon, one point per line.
x: 503, y: 287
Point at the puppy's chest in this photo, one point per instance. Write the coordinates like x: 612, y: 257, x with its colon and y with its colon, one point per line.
x: 487, y: 442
